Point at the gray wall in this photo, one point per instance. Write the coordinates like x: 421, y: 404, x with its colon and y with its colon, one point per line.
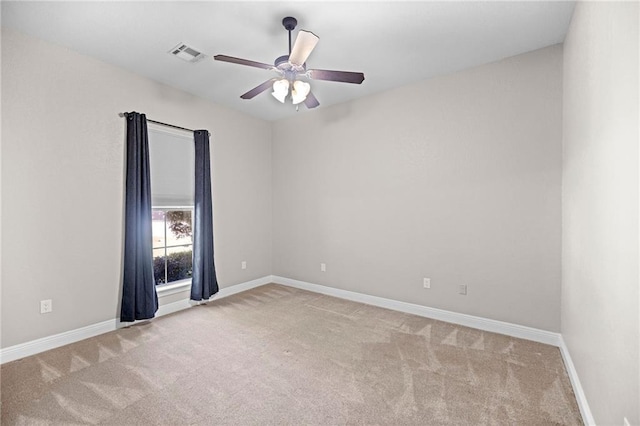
x: 62, y: 184
x: 600, y: 316
x: 456, y: 178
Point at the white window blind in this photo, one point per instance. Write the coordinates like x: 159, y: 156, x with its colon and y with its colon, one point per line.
x: 171, y: 158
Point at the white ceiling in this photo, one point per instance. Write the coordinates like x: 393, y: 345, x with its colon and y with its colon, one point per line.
x: 393, y: 43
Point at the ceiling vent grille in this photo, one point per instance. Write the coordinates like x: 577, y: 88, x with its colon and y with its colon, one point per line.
x: 186, y: 53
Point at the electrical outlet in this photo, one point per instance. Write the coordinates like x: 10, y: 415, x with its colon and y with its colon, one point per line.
x: 243, y: 265
x: 323, y: 267
x: 426, y: 283
x: 46, y: 306
x: 626, y: 422
x: 462, y: 289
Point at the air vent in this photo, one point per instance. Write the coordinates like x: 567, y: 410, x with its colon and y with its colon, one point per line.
x: 186, y: 53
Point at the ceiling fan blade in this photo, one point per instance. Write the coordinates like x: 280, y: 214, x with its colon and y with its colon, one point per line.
x: 239, y: 61
x: 305, y: 42
x: 258, y: 89
x: 342, y: 76
x: 311, y: 101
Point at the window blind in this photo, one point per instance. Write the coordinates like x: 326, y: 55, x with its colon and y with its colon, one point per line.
x: 171, y: 160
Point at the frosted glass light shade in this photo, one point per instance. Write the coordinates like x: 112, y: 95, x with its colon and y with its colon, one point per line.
x: 280, y: 89
x: 300, y: 91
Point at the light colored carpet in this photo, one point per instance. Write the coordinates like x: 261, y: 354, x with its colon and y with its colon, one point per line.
x: 278, y: 355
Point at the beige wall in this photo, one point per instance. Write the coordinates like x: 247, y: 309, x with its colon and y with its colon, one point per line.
x: 62, y: 184
x: 456, y: 178
x: 600, y: 317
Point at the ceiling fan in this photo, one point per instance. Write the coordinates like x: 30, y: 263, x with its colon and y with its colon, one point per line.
x: 293, y: 66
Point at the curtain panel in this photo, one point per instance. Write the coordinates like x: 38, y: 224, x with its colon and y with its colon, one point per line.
x: 139, y: 297
x: 204, y: 283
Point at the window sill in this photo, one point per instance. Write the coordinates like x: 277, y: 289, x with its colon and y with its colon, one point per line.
x: 173, y: 288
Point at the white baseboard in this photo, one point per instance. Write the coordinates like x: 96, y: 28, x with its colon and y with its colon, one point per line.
x: 514, y: 330
x: 587, y: 417
x: 40, y: 345
x: 33, y: 347
x: 238, y: 288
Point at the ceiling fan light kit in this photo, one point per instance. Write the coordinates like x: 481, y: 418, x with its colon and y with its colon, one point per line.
x: 300, y: 91
x: 280, y: 89
x: 291, y: 67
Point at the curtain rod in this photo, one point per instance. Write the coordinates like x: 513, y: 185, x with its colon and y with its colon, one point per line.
x: 124, y: 114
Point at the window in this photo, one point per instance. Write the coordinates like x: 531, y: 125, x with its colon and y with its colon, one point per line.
x: 172, y: 244
x: 171, y: 158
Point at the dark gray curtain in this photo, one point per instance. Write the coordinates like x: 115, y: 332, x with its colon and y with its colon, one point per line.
x: 139, y: 297
x: 204, y: 283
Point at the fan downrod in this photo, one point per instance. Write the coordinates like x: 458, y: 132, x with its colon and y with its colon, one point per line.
x: 289, y: 23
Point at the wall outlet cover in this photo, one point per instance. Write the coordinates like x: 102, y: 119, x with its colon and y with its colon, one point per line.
x: 426, y: 282
x: 46, y: 306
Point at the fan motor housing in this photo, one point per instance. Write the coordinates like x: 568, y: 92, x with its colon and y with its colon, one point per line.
x: 282, y: 63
